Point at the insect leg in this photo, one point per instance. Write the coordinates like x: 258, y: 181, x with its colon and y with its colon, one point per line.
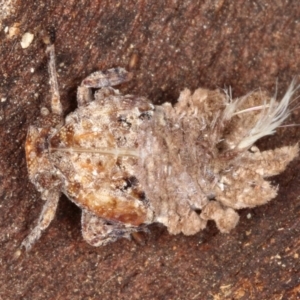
x: 44, y: 221
x: 107, y: 78
x: 98, y: 232
x: 100, y: 79
x: 56, y: 106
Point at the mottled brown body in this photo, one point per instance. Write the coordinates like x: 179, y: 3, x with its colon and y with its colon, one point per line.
x: 96, y: 150
x: 203, y: 173
x: 127, y: 163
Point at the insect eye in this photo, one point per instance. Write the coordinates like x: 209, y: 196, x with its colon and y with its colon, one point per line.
x: 44, y: 111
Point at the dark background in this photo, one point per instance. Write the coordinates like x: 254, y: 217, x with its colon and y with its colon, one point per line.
x: 169, y: 45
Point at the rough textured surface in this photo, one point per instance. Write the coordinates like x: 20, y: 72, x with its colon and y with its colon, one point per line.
x: 195, y: 163
x: 128, y: 163
x: 168, y: 46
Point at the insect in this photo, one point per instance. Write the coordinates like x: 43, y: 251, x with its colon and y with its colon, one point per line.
x: 127, y: 163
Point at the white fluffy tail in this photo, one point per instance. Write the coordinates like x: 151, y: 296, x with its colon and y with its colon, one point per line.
x: 272, y: 116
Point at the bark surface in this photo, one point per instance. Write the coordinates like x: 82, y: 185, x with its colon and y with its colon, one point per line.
x: 168, y: 45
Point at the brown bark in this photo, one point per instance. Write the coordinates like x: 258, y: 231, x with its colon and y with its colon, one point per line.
x: 169, y: 45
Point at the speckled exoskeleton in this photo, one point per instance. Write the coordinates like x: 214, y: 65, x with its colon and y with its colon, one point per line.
x: 127, y: 163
